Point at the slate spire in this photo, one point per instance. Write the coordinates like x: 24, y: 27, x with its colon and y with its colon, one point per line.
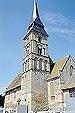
x: 36, y: 24
x: 35, y: 13
x: 35, y: 17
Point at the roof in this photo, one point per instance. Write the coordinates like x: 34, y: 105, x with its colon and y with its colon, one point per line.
x: 39, y: 30
x: 70, y: 83
x: 35, y: 13
x: 57, y: 67
x: 36, y: 24
x: 35, y: 16
x: 15, y: 83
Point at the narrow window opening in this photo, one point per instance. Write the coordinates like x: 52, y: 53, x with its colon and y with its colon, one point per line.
x: 25, y: 100
x: 45, y: 65
x: 44, y: 50
x: 39, y: 38
x: 40, y: 64
x: 39, y: 51
x: 71, y: 70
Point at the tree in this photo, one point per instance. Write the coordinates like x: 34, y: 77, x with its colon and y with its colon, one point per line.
x: 2, y: 101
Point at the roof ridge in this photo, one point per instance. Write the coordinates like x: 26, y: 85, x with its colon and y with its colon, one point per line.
x: 67, y: 57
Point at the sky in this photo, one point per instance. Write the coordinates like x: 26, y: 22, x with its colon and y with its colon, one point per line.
x: 58, y: 17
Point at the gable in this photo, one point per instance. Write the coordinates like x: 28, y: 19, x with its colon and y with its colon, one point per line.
x: 15, y: 83
x: 68, y: 74
x: 58, y: 66
x: 62, y: 65
x: 69, y: 67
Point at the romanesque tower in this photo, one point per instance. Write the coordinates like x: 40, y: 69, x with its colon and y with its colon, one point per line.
x: 36, y: 65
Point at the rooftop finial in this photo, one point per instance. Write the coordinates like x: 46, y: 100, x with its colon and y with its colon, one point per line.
x: 35, y: 11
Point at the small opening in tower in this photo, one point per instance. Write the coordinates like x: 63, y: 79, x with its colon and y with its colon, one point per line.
x: 39, y: 38
x: 25, y: 99
x: 39, y: 51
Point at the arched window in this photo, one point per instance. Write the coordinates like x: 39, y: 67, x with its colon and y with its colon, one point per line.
x: 35, y: 63
x: 71, y: 70
x: 40, y: 64
x: 45, y: 65
x: 39, y: 49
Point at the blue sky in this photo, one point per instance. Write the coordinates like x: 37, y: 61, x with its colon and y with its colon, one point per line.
x: 58, y: 16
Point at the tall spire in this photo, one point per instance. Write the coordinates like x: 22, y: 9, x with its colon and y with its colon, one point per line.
x: 35, y: 13
x: 36, y: 24
x: 35, y: 16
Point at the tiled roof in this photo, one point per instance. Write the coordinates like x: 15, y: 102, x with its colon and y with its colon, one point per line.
x: 15, y: 83
x: 40, y: 30
x: 70, y: 82
x: 58, y: 66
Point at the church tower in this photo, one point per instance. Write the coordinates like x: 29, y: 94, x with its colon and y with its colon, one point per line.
x: 35, y: 65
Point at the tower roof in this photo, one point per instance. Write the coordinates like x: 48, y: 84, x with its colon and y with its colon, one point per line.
x: 35, y: 13
x: 35, y: 16
x: 36, y: 24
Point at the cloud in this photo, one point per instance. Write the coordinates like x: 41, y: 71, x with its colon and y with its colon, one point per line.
x: 60, y: 25
x: 55, y: 18
x: 63, y: 32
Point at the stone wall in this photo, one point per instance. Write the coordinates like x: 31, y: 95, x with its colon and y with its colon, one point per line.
x: 65, y: 74
x: 11, y: 98
x: 34, y: 84
x: 26, y: 89
x: 39, y: 91
x: 55, y: 95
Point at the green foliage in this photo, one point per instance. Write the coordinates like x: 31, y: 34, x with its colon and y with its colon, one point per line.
x: 2, y: 101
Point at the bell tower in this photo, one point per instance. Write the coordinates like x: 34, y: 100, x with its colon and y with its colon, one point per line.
x: 35, y: 65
